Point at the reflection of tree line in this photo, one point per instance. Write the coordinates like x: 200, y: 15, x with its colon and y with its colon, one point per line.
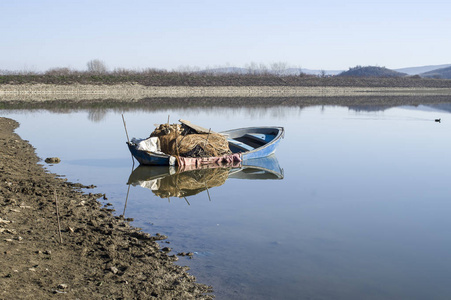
x: 255, y: 107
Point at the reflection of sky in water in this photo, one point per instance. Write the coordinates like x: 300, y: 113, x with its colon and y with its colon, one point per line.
x: 362, y: 211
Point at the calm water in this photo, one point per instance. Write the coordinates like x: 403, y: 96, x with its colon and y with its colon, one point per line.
x: 362, y: 212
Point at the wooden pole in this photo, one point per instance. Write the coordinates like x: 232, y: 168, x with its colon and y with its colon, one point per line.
x: 128, y: 140
x: 125, y: 126
x: 208, y: 135
x: 58, y: 217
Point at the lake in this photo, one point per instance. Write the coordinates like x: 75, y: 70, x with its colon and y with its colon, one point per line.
x: 361, y: 209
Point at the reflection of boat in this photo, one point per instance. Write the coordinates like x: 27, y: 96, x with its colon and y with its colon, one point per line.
x: 260, y: 168
x: 170, y: 181
x: 249, y: 143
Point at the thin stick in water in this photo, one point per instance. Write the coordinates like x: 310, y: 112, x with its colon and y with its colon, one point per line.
x: 128, y: 140
x: 125, y: 126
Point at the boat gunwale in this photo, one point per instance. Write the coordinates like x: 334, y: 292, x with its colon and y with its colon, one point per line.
x: 279, y: 135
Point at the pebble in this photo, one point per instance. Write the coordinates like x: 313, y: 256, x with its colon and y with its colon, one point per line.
x: 114, y: 270
x: 62, y: 286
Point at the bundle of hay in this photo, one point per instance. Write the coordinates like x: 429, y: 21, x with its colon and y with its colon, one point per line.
x: 179, y: 140
x: 167, y: 134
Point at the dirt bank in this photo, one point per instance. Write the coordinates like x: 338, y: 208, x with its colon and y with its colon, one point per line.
x: 100, y: 257
x: 130, y: 92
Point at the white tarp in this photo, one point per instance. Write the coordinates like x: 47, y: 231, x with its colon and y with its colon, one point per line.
x: 151, y: 144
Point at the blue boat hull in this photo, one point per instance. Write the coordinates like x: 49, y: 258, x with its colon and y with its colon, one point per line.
x: 146, y: 158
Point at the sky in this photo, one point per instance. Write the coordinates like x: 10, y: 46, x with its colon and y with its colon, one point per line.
x: 36, y: 35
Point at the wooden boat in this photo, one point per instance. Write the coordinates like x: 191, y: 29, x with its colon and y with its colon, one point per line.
x: 249, y: 143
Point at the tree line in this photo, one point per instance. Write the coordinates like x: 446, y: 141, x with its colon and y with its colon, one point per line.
x: 99, y: 67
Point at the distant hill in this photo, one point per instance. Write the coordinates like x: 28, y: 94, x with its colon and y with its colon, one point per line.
x: 422, y: 69
x: 359, y: 71
x: 444, y: 73
x: 441, y: 106
x: 371, y: 71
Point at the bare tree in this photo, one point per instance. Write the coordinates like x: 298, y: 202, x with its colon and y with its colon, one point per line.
x: 279, y: 68
x: 256, y: 68
x: 252, y: 68
x: 97, y: 66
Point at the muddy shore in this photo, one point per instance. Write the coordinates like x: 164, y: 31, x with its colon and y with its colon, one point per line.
x: 101, y: 256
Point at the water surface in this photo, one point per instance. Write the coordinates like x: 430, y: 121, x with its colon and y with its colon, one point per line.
x: 362, y: 211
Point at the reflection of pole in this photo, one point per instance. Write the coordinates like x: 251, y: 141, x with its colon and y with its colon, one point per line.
x: 128, y: 190
x: 208, y: 193
x: 126, y: 199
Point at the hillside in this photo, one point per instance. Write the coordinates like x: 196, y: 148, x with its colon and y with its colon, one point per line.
x: 371, y: 71
x: 422, y: 69
x: 444, y: 73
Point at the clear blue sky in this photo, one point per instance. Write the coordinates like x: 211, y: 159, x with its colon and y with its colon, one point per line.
x: 323, y: 34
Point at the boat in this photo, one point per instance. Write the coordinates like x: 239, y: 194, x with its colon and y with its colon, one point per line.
x: 173, y: 181
x: 244, y: 143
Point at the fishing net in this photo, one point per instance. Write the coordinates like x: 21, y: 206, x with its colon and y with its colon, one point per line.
x: 178, y: 140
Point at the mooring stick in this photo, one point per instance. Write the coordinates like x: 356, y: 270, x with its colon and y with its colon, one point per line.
x: 128, y: 140
x: 58, y: 217
x: 125, y: 127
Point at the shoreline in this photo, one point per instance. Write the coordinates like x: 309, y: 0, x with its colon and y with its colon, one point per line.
x: 100, y: 256
x: 20, y: 93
